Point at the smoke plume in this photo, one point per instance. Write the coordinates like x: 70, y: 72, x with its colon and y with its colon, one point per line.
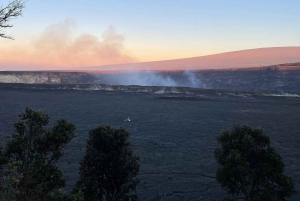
x: 175, y: 79
x: 57, y: 46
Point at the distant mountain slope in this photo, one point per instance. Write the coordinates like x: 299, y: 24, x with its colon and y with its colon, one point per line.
x: 238, y: 59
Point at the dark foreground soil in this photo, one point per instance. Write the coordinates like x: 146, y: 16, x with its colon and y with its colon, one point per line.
x: 174, y: 135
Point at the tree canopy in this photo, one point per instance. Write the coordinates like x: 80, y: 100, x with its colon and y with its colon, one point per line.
x: 109, y: 168
x: 9, y: 12
x: 249, y: 166
x: 29, y: 160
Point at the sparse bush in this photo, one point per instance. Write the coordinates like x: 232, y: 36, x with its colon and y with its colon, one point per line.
x: 78, y: 196
x: 109, y: 168
x: 249, y: 166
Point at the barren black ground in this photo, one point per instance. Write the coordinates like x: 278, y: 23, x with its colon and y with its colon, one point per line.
x: 173, y: 130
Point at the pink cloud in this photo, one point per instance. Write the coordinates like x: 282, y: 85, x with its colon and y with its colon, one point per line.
x: 57, y: 48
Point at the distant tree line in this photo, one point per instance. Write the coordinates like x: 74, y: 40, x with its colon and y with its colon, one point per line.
x: 248, y: 167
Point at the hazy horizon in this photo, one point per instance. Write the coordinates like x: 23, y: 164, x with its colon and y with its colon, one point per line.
x: 62, y: 34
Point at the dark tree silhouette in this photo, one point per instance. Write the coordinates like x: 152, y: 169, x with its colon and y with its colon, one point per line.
x: 9, y: 12
x: 109, y: 168
x: 29, y: 160
x: 249, y: 166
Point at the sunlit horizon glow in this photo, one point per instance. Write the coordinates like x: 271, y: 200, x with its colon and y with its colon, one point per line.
x: 74, y: 33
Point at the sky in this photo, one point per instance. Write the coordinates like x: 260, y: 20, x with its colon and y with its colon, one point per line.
x: 66, y: 33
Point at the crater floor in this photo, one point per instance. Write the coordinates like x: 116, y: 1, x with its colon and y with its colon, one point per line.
x: 175, y: 137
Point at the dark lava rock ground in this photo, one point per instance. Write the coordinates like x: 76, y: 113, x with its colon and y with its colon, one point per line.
x: 174, y: 133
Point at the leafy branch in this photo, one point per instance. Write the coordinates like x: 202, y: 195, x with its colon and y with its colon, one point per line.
x: 9, y: 12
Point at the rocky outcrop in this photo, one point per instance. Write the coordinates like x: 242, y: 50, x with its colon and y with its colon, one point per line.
x: 278, y: 78
x: 45, y: 77
x: 284, y: 77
